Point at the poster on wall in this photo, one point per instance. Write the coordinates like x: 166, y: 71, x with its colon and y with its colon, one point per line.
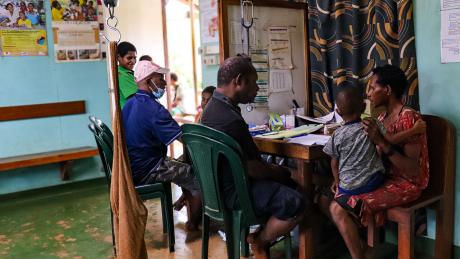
x: 450, y: 31
x: 23, y: 28
x: 209, y: 21
x: 75, y: 30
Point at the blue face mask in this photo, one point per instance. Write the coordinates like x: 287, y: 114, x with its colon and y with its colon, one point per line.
x: 160, y: 91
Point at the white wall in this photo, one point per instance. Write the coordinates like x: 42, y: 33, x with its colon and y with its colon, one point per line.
x: 140, y: 23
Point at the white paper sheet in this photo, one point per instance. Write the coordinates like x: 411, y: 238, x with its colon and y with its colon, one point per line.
x: 310, y: 139
x: 209, y: 21
x: 450, y: 35
x: 280, y: 51
x: 449, y: 4
x: 280, y: 80
x: 329, y: 118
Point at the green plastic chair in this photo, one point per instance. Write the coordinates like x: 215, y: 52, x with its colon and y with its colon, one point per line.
x: 93, y: 129
x: 104, y: 129
x: 207, y: 147
x: 104, y: 140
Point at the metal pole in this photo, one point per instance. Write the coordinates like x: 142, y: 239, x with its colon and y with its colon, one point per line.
x: 195, y: 79
x: 165, y: 50
x: 166, y: 57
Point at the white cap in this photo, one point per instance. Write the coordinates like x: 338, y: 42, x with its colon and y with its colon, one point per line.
x: 145, y: 68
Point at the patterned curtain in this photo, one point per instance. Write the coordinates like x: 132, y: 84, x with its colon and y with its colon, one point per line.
x: 348, y: 38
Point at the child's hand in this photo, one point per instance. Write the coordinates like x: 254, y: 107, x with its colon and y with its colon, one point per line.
x: 372, y: 130
x: 334, y: 187
x: 379, y: 150
x: 419, y: 127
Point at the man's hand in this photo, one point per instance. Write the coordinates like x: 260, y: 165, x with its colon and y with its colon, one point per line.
x: 257, y: 169
x: 281, y: 174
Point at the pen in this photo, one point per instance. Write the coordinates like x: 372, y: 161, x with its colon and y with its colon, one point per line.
x: 296, y: 105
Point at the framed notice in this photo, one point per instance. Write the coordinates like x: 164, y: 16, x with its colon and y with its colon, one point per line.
x: 75, y: 30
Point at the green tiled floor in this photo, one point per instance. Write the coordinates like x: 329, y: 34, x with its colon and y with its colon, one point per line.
x: 68, y: 223
x: 73, y: 222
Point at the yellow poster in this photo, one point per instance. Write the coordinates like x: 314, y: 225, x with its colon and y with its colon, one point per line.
x: 23, y: 42
x: 23, y: 28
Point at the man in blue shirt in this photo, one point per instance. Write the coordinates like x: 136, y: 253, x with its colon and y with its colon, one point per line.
x: 149, y: 129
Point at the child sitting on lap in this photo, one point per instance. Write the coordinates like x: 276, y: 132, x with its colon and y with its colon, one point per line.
x: 356, y: 165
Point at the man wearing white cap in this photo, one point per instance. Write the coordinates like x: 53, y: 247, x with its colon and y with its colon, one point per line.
x: 149, y: 129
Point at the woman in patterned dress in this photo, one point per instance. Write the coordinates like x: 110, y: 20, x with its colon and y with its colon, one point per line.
x: 406, y: 163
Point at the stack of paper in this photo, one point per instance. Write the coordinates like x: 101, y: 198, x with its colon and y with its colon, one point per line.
x: 329, y: 118
x: 305, y: 129
x: 310, y: 140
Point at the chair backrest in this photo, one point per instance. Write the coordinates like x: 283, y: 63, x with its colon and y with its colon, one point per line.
x: 207, y: 149
x: 108, y: 135
x: 104, y: 129
x: 441, y: 151
x: 94, y: 130
x: 105, y: 149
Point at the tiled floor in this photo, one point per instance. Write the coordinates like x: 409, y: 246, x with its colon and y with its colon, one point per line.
x: 73, y: 222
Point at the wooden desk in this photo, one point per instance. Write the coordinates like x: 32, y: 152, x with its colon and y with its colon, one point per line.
x: 305, y: 157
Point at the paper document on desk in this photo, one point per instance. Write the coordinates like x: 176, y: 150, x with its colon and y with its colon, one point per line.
x: 310, y: 139
x: 329, y: 118
x: 305, y: 129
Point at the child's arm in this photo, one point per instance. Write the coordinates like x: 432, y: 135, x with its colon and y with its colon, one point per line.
x: 335, y: 173
x: 419, y: 127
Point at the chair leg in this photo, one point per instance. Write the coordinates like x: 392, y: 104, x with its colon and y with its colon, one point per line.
x: 169, y: 216
x: 205, y: 237
x: 444, y: 230
x: 406, y: 236
x: 244, y: 243
x: 229, y: 237
x: 236, y: 234
x: 164, y: 219
x: 287, y: 246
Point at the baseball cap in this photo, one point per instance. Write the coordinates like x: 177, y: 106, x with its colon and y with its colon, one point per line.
x: 145, y: 68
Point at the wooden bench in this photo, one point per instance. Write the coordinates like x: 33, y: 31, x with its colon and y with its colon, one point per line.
x: 64, y: 156
x: 439, y: 195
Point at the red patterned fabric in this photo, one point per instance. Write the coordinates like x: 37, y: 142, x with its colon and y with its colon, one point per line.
x: 398, y: 189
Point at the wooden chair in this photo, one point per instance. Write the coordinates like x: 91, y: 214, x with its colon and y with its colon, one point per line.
x: 439, y: 194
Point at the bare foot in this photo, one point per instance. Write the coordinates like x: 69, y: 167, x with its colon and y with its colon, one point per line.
x: 259, y: 250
